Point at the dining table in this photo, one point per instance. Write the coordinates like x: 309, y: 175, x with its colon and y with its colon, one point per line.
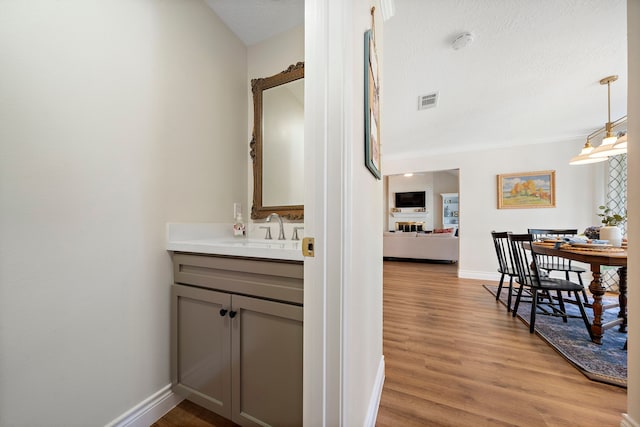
x: 596, y: 256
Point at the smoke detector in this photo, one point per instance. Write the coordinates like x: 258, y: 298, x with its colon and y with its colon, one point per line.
x: 462, y: 41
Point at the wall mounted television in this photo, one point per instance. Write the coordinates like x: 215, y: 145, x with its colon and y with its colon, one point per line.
x: 410, y: 199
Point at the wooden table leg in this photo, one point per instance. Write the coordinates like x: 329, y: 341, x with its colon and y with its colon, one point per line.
x: 597, y: 290
x: 622, y: 297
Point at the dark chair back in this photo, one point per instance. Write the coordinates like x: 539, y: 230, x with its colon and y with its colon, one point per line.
x: 503, y: 251
x: 524, y: 259
x: 541, y: 233
x: 554, y: 263
x: 526, y: 262
x: 505, y: 263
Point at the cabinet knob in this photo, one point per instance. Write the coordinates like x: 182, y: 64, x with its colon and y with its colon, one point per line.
x: 223, y: 311
x: 232, y: 314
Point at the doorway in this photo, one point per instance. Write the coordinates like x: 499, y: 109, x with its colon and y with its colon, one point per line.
x: 423, y: 203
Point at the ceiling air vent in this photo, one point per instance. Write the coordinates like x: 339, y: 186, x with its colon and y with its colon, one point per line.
x: 427, y: 101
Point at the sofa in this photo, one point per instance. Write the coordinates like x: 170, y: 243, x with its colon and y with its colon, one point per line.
x: 417, y: 245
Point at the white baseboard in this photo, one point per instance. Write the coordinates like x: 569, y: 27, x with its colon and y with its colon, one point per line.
x: 149, y: 410
x: 374, y: 402
x: 627, y: 421
x: 479, y: 275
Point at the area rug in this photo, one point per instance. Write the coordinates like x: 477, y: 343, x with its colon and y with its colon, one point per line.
x: 605, y: 363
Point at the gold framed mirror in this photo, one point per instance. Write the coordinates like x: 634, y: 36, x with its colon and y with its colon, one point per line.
x: 277, y: 145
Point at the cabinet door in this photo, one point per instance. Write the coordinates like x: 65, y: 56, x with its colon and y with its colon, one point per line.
x: 201, y: 347
x: 267, y: 356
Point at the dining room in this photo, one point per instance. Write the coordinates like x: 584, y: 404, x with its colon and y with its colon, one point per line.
x: 579, y: 189
x: 541, y: 283
x: 578, y: 193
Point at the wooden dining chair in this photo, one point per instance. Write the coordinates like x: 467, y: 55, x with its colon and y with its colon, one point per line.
x: 553, y: 263
x: 505, y: 263
x: 542, y: 287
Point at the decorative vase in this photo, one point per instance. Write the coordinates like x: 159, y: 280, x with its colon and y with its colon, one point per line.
x: 613, y: 234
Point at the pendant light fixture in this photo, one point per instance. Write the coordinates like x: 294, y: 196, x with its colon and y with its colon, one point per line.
x: 606, y: 148
x: 583, y: 158
x: 611, y: 144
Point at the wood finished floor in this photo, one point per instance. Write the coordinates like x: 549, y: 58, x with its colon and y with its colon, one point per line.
x: 454, y: 357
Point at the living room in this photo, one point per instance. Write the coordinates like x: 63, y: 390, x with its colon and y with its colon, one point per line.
x: 422, y: 216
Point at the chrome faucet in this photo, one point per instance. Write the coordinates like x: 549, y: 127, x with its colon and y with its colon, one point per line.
x: 281, y: 233
x: 295, y: 233
x: 267, y: 236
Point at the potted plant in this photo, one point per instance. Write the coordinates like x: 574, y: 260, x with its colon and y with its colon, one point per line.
x: 611, y: 230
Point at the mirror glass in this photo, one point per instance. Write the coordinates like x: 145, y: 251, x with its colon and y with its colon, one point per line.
x: 277, y: 147
x: 283, y: 144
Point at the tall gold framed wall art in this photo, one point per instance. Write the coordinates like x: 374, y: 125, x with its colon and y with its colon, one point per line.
x: 371, y: 102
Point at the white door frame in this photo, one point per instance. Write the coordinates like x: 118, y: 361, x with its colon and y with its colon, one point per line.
x: 325, y: 177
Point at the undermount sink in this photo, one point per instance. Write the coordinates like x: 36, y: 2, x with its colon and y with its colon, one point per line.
x: 213, y: 239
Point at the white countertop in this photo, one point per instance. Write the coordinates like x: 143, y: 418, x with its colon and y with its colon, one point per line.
x: 217, y: 239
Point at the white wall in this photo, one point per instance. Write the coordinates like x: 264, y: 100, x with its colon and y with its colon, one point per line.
x: 117, y: 117
x: 343, y: 364
x: 362, y: 287
x: 577, y: 190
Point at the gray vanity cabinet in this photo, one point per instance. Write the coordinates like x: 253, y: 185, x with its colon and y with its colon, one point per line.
x: 267, y: 355
x: 235, y: 353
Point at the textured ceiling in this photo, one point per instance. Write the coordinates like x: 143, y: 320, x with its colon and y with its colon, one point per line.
x: 530, y: 76
x: 256, y: 20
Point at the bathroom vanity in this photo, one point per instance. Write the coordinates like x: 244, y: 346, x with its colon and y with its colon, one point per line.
x: 237, y: 329
x: 237, y: 303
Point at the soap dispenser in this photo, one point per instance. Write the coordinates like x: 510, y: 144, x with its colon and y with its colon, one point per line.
x: 239, y: 229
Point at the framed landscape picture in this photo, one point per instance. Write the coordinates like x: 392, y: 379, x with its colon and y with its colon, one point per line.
x: 527, y: 190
